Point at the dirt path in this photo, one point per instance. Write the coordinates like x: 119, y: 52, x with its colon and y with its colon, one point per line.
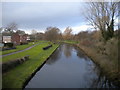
x: 20, y: 50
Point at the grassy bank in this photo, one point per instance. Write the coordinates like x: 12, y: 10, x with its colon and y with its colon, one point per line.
x: 18, y: 48
x: 104, y: 54
x: 70, y: 42
x: 17, y: 76
x: 106, y: 57
x: 18, y: 55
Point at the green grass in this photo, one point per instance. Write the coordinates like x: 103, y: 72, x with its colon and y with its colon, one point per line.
x: 17, y: 76
x: 71, y: 42
x: 18, y: 48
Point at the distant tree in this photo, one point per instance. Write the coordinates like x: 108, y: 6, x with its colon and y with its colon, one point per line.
x: 1, y: 29
x: 33, y: 35
x: 101, y: 15
x: 33, y: 32
x: 40, y: 36
x: 60, y: 36
x: 20, y: 32
x: 67, y: 33
x: 82, y: 35
x: 11, y: 28
x: 52, y: 34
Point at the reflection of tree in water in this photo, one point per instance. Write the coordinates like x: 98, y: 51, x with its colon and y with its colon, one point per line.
x: 97, y: 80
x: 96, y: 77
x: 56, y: 55
x: 90, y: 75
x: 80, y: 53
x: 101, y: 81
x: 67, y: 50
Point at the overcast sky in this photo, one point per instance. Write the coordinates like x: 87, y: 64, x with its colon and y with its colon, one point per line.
x: 40, y: 15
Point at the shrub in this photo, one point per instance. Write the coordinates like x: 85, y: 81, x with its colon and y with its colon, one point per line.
x: 86, y: 42
x: 23, y: 43
x: 112, y: 50
x: 9, y: 45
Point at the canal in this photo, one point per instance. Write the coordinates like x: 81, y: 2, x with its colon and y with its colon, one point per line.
x: 69, y: 67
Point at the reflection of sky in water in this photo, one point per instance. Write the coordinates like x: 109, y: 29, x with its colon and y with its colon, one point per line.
x: 67, y: 68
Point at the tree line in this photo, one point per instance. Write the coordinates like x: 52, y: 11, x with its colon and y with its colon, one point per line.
x: 101, y: 15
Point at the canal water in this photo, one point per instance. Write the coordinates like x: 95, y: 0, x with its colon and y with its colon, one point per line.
x: 69, y: 67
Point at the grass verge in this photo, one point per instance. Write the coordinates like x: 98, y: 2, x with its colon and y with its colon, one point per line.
x: 71, y: 42
x: 16, y: 77
x: 18, y: 55
x: 18, y: 48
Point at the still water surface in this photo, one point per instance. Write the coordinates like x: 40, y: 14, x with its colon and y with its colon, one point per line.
x: 69, y: 67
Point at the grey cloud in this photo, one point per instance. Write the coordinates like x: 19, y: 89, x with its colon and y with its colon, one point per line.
x: 41, y: 15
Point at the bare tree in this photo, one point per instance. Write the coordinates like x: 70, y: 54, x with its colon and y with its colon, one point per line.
x: 33, y: 35
x: 1, y: 29
x: 101, y: 15
x: 33, y: 32
x: 67, y: 33
x: 11, y: 28
x: 52, y: 34
x: 20, y: 32
x: 40, y: 36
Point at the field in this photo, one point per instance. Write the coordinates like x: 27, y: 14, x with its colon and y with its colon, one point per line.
x: 18, y: 48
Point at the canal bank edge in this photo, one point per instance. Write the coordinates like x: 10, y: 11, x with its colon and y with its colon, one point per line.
x: 31, y: 76
x: 112, y: 76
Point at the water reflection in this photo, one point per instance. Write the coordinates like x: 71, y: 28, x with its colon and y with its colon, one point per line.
x: 80, y: 53
x: 69, y: 67
x: 67, y: 50
x: 56, y: 55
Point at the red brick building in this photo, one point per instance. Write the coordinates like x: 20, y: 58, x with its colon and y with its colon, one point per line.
x: 23, y: 38
x: 16, y: 38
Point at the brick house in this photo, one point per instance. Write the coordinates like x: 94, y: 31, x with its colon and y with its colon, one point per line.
x: 23, y: 38
x: 16, y: 38
x: 6, y: 39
